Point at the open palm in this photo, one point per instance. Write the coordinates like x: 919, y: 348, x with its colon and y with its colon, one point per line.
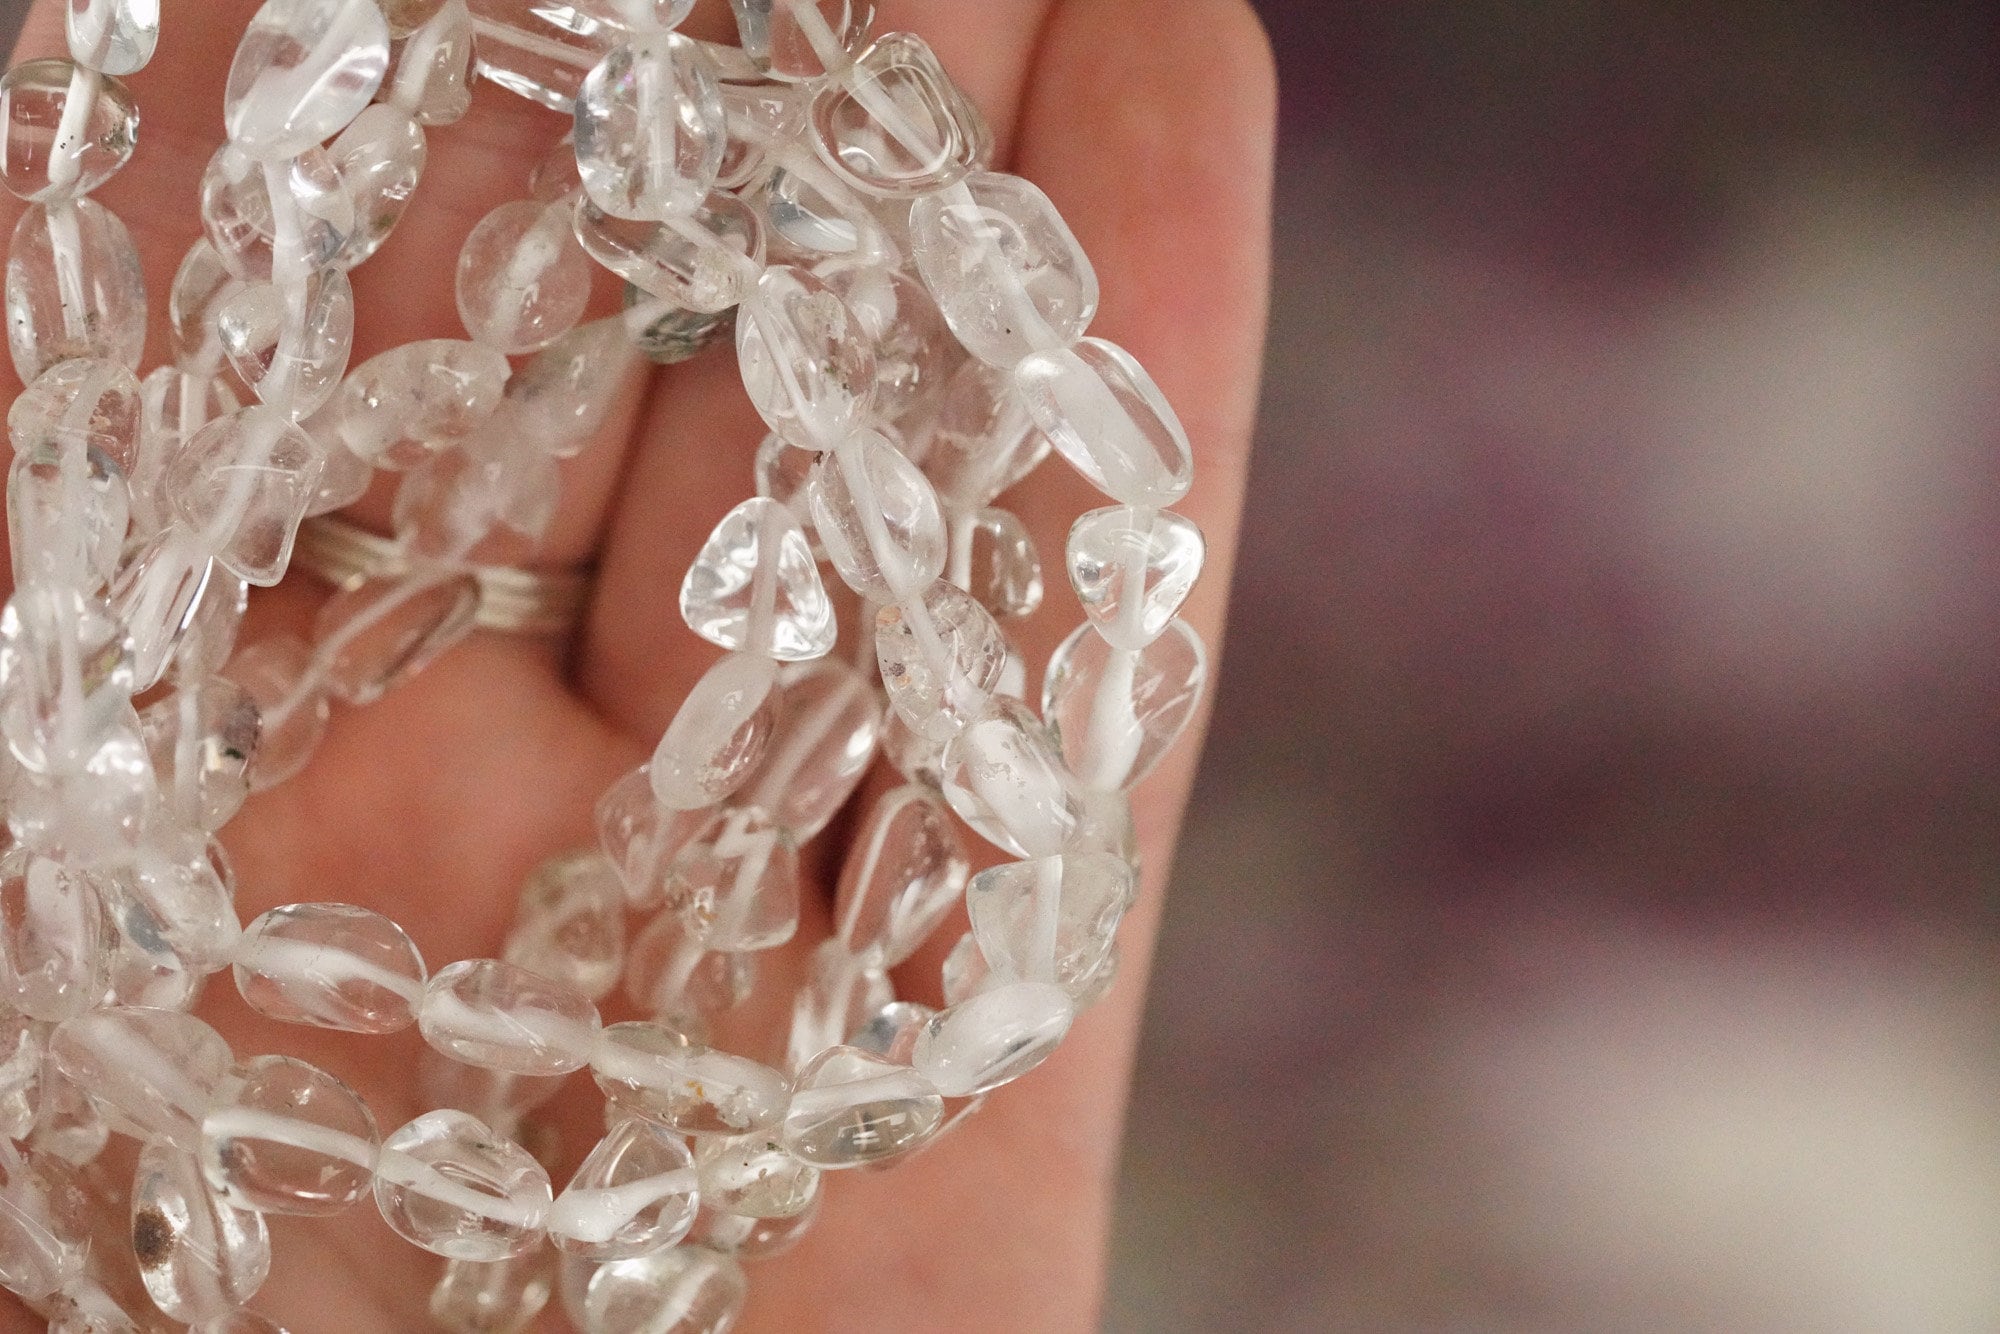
x: 1149, y: 123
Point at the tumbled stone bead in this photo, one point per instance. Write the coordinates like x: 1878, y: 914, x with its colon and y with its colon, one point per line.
x: 754, y: 1175
x: 380, y: 158
x: 798, y: 44
x: 649, y: 128
x: 672, y: 976
x: 145, y: 971
x: 993, y: 1037
x: 749, y: 1238
x: 44, y: 1225
x: 89, y: 401
x: 151, y: 1072
x: 179, y: 891
x: 902, y: 875
x: 157, y: 594
x: 523, y: 51
x: 492, y: 1013
x: 466, y: 492
x: 640, y: 837
x: 52, y: 957
x: 432, y: 79
x: 1108, y: 418
x: 1117, y: 712
x: 981, y: 440
x: 292, y: 358
x: 942, y: 658
x: 737, y: 883
x: 202, y: 738
x: 718, y: 735
x: 493, y: 1296
x: 1004, y: 571
x: 449, y: 1184
x: 201, y: 284
x: 563, y: 394
x: 74, y: 288
x: 68, y: 1124
x: 64, y: 131
x: 758, y: 116
x: 634, y: 1194
x: 66, y: 675
x: 666, y: 333
x: 302, y: 71
x: 1005, y: 777
x: 915, y: 353
x: 685, y: 1290
x: 915, y: 756
x: 1004, y: 267
x: 829, y: 720
x: 292, y: 708
x: 1132, y: 569
x: 23, y: 1048
x: 878, y: 519
x: 570, y: 924
x: 807, y: 367
x: 895, y: 123
x: 522, y: 279
x: 210, y: 637
x: 838, y: 994
x: 1052, y: 919
x: 891, y: 1031
x: 656, y: 1073
x: 396, y: 406
x: 705, y: 262
x: 754, y: 588
x: 239, y: 215
x: 67, y: 512
x: 287, y: 1138
x: 811, y: 215
x: 381, y: 632
x: 200, y: 1256
x: 93, y: 808
x: 850, y: 1108
x: 331, y: 965
x: 112, y: 36
x: 783, y: 472
x: 243, y: 483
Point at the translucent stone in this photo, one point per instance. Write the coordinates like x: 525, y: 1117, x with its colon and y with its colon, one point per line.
x: 288, y: 1138
x: 637, y: 15
x: 640, y: 837
x: 492, y: 1013
x: 1003, y: 569
x: 754, y: 587
x: 343, y: 478
x: 243, y: 483
x: 522, y: 279
x: 993, y: 1037
x: 158, y: 595
x: 151, y: 1072
x: 829, y: 719
x: 462, y: 496
x: 406, y: 16
x: 291, y: 704
x: 1005, y: 777
x: 783, y: 472
x: 331, y: 965
x: 44, y: 1226
x: 64, y: 131
x: 902, y: 875
x: 52, y: 959
x: 500, y: 1099
x: 812, y: 215
x: 705, y: 262
x: 685, y: 1290
x: 941, y: 659
x: 201, y: 739
x: 1052, y: 919
x: 1005, y: 268
x: 524, y: 47
x: 562, y: 396
x: 878, y: 519
x: 570, y: 925
x: 1132, y: 569
x: 718, y: 735
x: 838, y: 994
x: 891, y: 1032
x: 381, y: 632
x: 635, y: 1194
x: 433, y: 75
x: 914, y: 351
x: 798, y: 40
x: 651, y: 1070
x: 649, y: 128
x: 896, y: 124
x: 492, y: 1297
x: 749, y: 1238
x: 1117, y: 712
x: 453, y: 1187
x: 66, y: 676
x: 303, y: 70
x: 23, y: 1047
x: 292, y: 358
x: 210, y: 637
x: 179, y: 894
x: 380, y: 159
x: 1108, y: 418
x: 758, y: 116
x: 240, y: 217
x: 74, y: 288
x: 145, y: 972
x: 200, y: 1256
x: 806, y: 364
x: 93, y: 808
x: 173, y: 406
x: 67, y: 512
x: 673, y: 976
x: 754, y: 1175
x: 850, y: 1108
x: 68, y: 1125
x: 112, y: 36
x: 737, y: 883
x: 667, y: 333
x: 915, y: 756
x: 397, y: 403
x: 86, y: 400
x: 982, y: 440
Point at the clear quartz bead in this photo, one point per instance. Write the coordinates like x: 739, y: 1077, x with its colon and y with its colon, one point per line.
x: 1004, y: 267
x: 432, y: 79
x: 74, y: 288
x: 502, y: 1100
x: 179, y: 893
x: 754, y: 1175
x: 759, y: 115
x: 399, y: 405
x: 754, y: 587
x: 635, y: 1193
x: 684, y: 1290
x: 67, y: 511
x: 450, y: 1185
x: 522, y: 279
x: 1116, y: 712
x: 914, y: 351
x: 891, y: 1032
x: 288, y: 1138
x: 1108, y: 418
x: 812, y: 215
x: 915, y: 756
x: 902, y: 876
x: 1132, y: 569
x: 23, y: 1091
x: 87, y: 401
x: 381, y: 632
x: 667, y: 333
x: 562, y: 396
x: 718, y: 735
x: 895, y: 123
x: 992, y: 1038
x: 52, y: 957
x: 640, y: 837
x: 44, y: 1225
x: 112, y: 36
x: 1052, y: 919
x: 304, y: 69
x: 145, y: 971
x: 783, y: 472
x: 942, y: 658
x: 243, y: 483
x: 850, y: 1108
x: 706, y: 262
x: 68, y: 1125
x: 829, y: 721
x: 66, y: 676
x: 200, y: 1256
x: 492, y: 1296
x: 290, y: 346
x: 64, y: 130
x: 649, y: 128
x: 570, y: 925
x: 201, y: 284
x: 673, y: 976
x: 801, y: 40
x: 202, y: 738
x: 654, y: 1072
x: 210, y: 637
x: 808, y: 368
x: 1005, y: 777
x: 737, y: 883
x: 379, y: 158
x: 292, y: 709
x: 330, y: 965
x: 982, y: 439
x: 492, y: 1013
x: 158, y: 594
x: 878, y: 518
x: 840, y: 991
x: 93, y: 808
x: 749, y: 1238
x: 241, y: 218
x: 526, y: 47
x: 1004, y: 571
x: 151, y: 1072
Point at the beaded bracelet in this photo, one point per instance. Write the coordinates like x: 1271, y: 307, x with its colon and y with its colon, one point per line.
x: 911, y: 327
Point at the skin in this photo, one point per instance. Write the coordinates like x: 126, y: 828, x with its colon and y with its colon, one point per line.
x: 1150, y: 123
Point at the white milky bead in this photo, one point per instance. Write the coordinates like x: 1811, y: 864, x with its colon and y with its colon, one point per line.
x: 839, y: 993
x: 748, y: 1238
x: 74, y: 288
x: 706, y: 262
x: 754, y: 1175
x: 86, y: 400
x: 896, y: 124
x: 942, y: 659
x: 399, y: 405
x: 292, y: 709
x: 44, y: 1225
x: 1005, y: 268
x: 1132, y: 569
x: 1005, y: 777
x: 288, y: 1138
x: 902, y: 875
x: 240, y: 217
x: 380, y: 159
x: 291, y: 355
x: 492, y: 1297
x: 563, y: 394
x: 878, y: 519
x: 993, y: 1037
x: 635, y: 1194
x: 651, y: 1070
x: 737, y: 883
x: 522, y: 279
x: 685, y: 1290
x: 673, y: 976
x: 202, y: 738
x: 649, y: 128
x: 200, y: 1256
x: 1052, y: 919
x: 718, y: 735
x: 331, y: 965
x: 754, y: 587
x: 800, y: 40
x: 1110, y: 421
x: 1117, y: 712
x: 806, y: 364
x: 67, y: 510
x: 851, y: 1108
x: 52, y: 957
x: 982, y: 439
x: 383, y: 631
x: 433, y: 75
x: 829, y: 720
x: 449, y: 1184
x: 303, y: 70
x: 570, y: 924
x: 640, y: 837
x: 112, y: 36
x: 489, y: 1012
x: 242, y: 484
x: 151, y: 1072
x: 53, y: 146
x: 1005, y: 570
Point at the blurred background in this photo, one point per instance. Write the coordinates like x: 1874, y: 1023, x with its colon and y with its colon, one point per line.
x: 1586, y: 918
